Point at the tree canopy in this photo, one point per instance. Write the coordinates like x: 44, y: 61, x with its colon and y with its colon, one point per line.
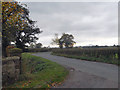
x: 38, y: 45
x: 17, y: 26
x: 65, y: 40
x: 55, y: 40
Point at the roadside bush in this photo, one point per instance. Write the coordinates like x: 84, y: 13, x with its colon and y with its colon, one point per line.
x: 7, y: 50
x: 15, y: 52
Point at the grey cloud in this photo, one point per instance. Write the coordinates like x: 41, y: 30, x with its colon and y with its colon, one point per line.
x: 83, y: 20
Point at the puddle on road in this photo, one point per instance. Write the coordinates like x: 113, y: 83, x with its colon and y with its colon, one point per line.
x: 72, y: 69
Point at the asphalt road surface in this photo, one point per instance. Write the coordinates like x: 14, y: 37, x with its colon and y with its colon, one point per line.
x: 85, y: 74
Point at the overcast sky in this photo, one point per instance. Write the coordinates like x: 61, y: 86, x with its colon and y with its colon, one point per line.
x: 89, y: 23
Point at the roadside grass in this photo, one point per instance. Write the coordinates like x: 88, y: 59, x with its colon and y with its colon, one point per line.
x: 38, y: 72
x: 104, y: 60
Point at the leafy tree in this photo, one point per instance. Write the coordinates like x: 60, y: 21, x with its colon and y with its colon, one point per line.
x: 16, y: 25
x: 39, y: 45
x: 32, y: 45
x: 11, y: 14
x: 65, y: 40
x: 55, y: 40
x: 26, y: 36
x: 61, y: 41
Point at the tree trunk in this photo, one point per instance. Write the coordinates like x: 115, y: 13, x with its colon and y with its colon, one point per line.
x: 19, y: 44
x: 5, y: 43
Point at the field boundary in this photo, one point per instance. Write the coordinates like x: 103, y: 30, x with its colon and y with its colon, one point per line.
x: 116, y: 62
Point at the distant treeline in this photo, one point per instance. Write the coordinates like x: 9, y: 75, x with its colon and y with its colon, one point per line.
x: 96, y: 46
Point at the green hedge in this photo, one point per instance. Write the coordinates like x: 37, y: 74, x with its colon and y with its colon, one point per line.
x: 103, y: 53
x: 15, y: 52
x: 39, y: 50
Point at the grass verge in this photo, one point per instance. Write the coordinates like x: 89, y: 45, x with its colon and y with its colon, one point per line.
x: 38, y: 72
x: 116, y: 62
